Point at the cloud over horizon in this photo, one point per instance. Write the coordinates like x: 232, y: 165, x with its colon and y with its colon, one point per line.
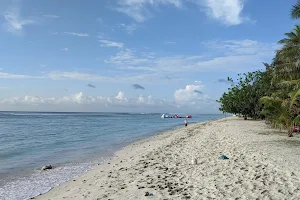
x: 120, y: 100
x: 189, y: 93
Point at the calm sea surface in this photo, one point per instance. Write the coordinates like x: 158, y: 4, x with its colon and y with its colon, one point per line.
x: 72, y: 142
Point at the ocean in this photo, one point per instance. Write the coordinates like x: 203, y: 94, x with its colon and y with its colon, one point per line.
x: 71, y: 142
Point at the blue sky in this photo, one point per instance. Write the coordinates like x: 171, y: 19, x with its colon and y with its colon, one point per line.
x: 132, y: 55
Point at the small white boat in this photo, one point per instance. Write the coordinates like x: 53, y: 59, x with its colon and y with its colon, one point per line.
x: 165, y: 116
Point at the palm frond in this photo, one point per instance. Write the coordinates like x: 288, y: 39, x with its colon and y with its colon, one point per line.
x: 295, y: 12
x: 296, y: 121
x: 295, y: 95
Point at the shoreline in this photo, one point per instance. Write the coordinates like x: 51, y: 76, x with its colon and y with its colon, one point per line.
x: 184, y: 164
x: 36, y: 182
x: 109, y: 159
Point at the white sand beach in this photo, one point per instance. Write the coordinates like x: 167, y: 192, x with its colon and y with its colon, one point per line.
x: 184, y: 164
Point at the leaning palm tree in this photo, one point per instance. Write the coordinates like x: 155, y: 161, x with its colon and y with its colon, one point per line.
x: 287, y: 58
x: 282, y: 107
x: 295, y: 12
x: 293, y: 37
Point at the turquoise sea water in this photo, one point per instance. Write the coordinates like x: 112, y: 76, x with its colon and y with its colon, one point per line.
x: 72, y: 142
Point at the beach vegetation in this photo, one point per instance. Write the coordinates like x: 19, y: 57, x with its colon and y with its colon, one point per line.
x: 272, y: 94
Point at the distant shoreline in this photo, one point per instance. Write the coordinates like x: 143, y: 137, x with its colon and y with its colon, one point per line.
x: 141, y: 113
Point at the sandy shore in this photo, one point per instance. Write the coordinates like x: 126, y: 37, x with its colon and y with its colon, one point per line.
x: 184, y: 164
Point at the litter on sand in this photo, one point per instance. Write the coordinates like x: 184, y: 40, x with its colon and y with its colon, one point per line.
x: 148, y: 194
x: 224, y: 157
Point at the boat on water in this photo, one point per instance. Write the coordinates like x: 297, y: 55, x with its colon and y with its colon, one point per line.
x: 174, y: 116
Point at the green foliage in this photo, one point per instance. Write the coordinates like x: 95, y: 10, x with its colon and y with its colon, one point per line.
x: 243, y: 97
x: 294, y: 95
x: 275, y: 93
x: 296, y: 121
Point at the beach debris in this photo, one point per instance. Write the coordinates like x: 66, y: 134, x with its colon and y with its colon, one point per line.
x: 47, y: 167
x: 148, y: 194
x: 223, y: 157
x: 194, y: 161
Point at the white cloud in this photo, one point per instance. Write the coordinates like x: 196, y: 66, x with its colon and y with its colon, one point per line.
x: 189, y: 93
x: 141, y: 99
x: 77, y: 34
x: 137, y: 9
x: 109, y: 43
x: 121, y: 96
x: 192, y: 98
x: 78, y: 76
x: 73, y: 75
x: 127, y: 59
x: 228, y: 12
x: 78, y: 98
x: 65, y: 49
x: 118, y: 103
x: 136, y: 66
x: 14, y: 23
x: 81, y: 99
x: 231, y: 55
x: 16, y: 76
x: 129, y: 28
x: 240, y: 47
x: 52, y: 16
x: 146, y: 100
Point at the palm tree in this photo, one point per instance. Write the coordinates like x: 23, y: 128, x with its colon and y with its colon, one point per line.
x: 287, y: 58
x: 295, y: 12
x: 282, y: 106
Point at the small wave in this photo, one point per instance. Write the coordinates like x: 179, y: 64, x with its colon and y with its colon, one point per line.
x: 41, y: 182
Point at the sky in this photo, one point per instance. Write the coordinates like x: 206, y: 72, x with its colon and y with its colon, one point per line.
x: 132, y: 55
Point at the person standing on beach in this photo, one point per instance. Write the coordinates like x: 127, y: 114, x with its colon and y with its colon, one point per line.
x: 185, y: 122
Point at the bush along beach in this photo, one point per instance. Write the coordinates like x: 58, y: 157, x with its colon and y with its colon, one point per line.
x: 272, y: 94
